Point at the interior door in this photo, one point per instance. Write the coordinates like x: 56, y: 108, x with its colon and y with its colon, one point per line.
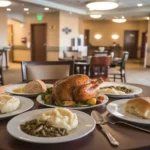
x: 87, y: 37
x: 143, y: 44
x: 10, y: 41
x: 38, y: 42
x: 131, y: 42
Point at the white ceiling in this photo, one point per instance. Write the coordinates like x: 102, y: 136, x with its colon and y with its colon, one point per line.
x: 17, y: 6
x: 127, y: 8
x: 122, y: 3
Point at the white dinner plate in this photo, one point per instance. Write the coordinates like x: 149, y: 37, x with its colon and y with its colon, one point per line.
x: 135, y: 90
x: 39, y: 100
x: 117, y: 108
x: 11, y: 88
x: 85, y: 126
x: 25, y: 104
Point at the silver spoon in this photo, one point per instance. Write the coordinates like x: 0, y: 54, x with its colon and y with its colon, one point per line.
x: 99, y: 121
x: 113, y: 121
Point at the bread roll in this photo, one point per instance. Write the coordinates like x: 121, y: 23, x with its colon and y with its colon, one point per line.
x: 35, y: 86
x: 139, y: 107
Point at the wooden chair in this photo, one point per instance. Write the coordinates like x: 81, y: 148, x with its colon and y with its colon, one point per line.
x: 99, y: 67
x: 46, y: 70
x: 119, y: 73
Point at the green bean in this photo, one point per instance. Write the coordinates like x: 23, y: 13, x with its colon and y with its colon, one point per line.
x: 42, y: 129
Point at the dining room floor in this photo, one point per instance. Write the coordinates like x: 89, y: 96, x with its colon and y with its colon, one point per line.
x: 135, y: 73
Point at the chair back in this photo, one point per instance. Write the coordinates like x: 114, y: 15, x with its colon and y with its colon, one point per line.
x: 124, y: 59
x: 32, y: 70
x: 99, y: 66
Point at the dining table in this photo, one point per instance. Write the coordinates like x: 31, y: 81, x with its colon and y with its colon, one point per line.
x: 128, y: 137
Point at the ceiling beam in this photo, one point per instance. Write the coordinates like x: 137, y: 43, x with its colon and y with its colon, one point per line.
x: 56, y: 6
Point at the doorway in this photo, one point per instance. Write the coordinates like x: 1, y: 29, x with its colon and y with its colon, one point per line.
x: 143, y: 44
x: 38, y: 42
x: 10, y: 41
x: 87, y: 37
x: 131, y: 42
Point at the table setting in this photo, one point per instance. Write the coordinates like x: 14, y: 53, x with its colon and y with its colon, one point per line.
x: 93, y: 119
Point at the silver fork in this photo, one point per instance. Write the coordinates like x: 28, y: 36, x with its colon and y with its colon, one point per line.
x: 113, y: 121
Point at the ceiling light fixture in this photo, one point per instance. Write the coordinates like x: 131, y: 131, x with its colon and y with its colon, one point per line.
x: 26, y: 9
x: 102, y: 5
x: 5, y: 3
x: 46, y: 8
x: 95, y: 16
x: 140, y: 4
x: 122, y: 17
x: 119, y: 20
x: 8, y: 9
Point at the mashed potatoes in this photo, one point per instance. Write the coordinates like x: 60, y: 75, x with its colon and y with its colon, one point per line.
x: 61, y: 118
x: 8, y: 103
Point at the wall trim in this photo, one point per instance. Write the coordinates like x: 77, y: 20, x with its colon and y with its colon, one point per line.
x: 147, y: 66
x: 20, y: 47
x: 16, y: 61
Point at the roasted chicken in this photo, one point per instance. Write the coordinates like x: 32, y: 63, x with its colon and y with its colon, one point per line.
x: 75, y: 88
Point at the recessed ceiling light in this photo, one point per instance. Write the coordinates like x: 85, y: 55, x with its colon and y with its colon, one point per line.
x: 119, y: 20
x: 102, y: 5
x: 140, y: 4
x: 95, y: 16
x: 122, y: 17
x: 46, y: 8
x: 8, y: 9
x: 26, y: 9
x: 5, y: 3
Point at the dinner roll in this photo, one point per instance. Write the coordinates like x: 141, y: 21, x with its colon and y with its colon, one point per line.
x: 139, y: 106
x: 35, y: 86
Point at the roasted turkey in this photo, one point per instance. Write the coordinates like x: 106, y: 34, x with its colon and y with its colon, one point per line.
x: 75, y: 88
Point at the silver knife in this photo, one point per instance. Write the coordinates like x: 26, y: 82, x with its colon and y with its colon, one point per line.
x: 99, y: 121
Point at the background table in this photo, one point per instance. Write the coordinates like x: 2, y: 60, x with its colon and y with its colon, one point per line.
x: 128, y: 137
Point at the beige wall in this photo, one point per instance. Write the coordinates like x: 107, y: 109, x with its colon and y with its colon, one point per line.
x: 52, y: 56
x: 24, y: 30
x: 107, y: 28
x: 22, y: 55
x: 70, y: 21
x: 3, y: 27
x: 18, y: 31
x: 51, y: 19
